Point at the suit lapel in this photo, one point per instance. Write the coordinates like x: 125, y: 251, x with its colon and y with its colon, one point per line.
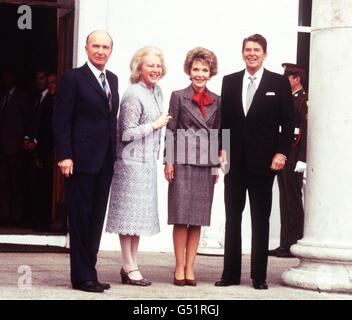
x: 210, y: 109
x: 236, y: 84
x: 263, y: 83
x: 93, y: 82
x: 260, y: 91
x: 190, y: 106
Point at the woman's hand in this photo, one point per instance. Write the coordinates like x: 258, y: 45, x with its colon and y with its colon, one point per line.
x: 161, y: 121
x: 169, y: 172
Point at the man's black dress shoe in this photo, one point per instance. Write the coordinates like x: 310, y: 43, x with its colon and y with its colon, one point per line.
x: 273, y: 252
x: 226, y: 283
x: 105, y: 286
x: 281, y: 252
x: 260, y: 285
x: 88, y: 286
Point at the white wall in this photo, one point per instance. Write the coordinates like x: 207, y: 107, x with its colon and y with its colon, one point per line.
x: 176, y: 27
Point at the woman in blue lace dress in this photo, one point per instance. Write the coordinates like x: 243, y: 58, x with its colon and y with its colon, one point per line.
x: 133, y: 209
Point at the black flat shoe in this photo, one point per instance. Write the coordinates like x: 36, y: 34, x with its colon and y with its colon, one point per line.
x: 88, y: 286
x: 226, y: 283
x: 125, y: 279
x: 260, y: 285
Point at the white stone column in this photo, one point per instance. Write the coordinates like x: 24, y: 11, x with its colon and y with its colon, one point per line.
x: 325, y: 252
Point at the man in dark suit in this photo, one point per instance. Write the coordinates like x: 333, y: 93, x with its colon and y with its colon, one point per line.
x: 40, y: 144
x: 257, y: 108
x: 84, y: 123
x: 15, y: 107
x: 290, y: 179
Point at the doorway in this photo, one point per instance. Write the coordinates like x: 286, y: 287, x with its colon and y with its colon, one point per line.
x: 37, y: 39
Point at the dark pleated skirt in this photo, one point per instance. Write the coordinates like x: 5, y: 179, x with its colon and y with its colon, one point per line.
x: 190, y: 195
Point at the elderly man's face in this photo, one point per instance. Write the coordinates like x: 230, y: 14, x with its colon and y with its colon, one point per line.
x: 99, y: 49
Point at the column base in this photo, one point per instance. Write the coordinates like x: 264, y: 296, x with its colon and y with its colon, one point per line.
x: 318, y: 271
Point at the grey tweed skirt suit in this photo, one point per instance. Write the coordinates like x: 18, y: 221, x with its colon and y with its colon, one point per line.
x: 191, y: 145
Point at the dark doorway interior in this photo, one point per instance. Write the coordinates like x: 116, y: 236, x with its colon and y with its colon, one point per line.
x: 28, y: 50
x: 303, y: 51
x: 25, y: 52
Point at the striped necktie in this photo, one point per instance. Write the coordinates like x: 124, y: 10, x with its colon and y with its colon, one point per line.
x: 106, y: 89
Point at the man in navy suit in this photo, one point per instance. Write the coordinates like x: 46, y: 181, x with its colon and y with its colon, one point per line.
x: 257, y: 108
x: 84, y: 124
x: 15, y: 110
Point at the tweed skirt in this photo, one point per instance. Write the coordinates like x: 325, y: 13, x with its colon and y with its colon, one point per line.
x: 190, y: 195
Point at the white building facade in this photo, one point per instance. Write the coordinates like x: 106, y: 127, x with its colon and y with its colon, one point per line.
x: 176, y: 27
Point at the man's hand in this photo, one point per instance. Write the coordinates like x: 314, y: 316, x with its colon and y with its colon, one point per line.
x: 278, y: 162
x: 66, y: 167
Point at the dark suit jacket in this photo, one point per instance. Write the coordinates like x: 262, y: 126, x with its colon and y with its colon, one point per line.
x: 82, y: 123
x: 14, y: 121
x: 44, y: 131
x: 189, y: 139
x: 255, y: 138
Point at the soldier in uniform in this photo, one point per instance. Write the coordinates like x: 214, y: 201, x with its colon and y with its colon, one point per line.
x: 290, y: 179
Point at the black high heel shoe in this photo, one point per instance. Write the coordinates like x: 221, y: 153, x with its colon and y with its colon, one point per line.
x: 125, y: 279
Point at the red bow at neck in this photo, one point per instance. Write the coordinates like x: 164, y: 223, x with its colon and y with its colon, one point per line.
x: 202, y: 99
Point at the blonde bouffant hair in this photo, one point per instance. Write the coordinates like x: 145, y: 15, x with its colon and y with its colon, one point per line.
x: 204, y: 55
x: 138, y: 59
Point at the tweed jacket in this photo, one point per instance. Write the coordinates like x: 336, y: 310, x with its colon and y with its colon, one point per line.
x: 190, y: 138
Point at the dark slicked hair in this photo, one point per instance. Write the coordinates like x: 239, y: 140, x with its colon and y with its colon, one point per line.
x: 89, y: 35
x: 258, y: 38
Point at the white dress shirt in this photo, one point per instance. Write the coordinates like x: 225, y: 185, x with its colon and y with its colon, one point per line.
x: 97, y: 74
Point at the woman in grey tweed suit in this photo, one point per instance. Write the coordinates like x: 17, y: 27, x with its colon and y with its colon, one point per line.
x: 133, y: 208
x: 191, y: 156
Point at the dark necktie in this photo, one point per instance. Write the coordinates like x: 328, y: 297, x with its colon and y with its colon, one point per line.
x: 106, y: 89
